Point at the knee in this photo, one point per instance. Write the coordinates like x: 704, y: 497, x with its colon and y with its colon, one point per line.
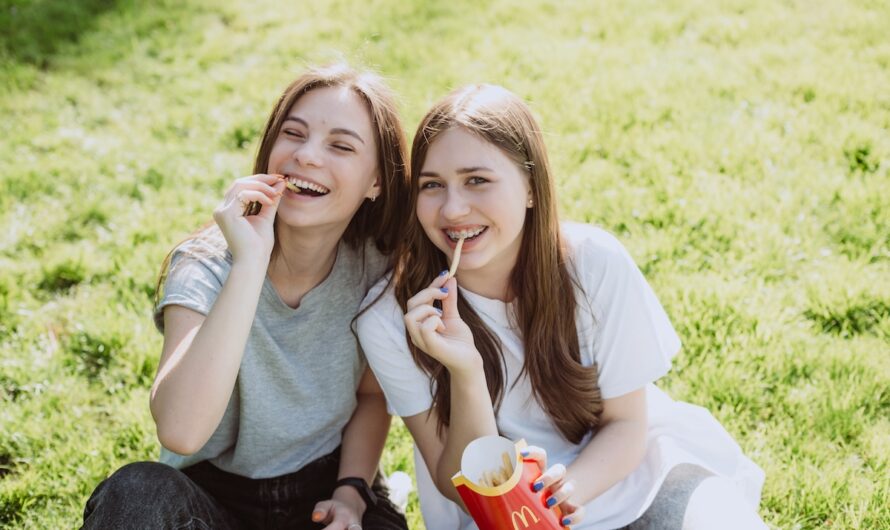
x: 138, y: 481
x: 717, y: 503
x: 136, y: 495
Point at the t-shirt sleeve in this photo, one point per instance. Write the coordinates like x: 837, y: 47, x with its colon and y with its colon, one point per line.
x: 634, y: 340
x: 381, y: 332
x: 193, y: 281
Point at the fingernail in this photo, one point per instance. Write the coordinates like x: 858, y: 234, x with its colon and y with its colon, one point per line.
x: 524, y: 452
x: 538, y: 486
x: 443, y: 273
x: 316, y: 516
x: 566, y: 521
x: 443, y: 289
x: 439, y: 310
x: 550, y: 502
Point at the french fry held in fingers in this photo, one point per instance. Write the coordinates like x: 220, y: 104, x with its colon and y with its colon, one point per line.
x: 254, y: 207
x: 456, y: 259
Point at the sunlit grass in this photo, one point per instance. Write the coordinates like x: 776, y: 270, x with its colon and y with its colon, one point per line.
x: 740, y: 150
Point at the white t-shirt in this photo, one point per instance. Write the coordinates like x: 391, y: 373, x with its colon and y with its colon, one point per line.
x: 625, y: 331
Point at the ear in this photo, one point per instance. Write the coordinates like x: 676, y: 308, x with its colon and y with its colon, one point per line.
x: 374, y: 190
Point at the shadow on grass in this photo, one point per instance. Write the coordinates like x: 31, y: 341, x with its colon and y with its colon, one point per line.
x: 31, y: 31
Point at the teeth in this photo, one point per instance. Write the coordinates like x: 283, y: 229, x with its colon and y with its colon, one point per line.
x: 458, y: 234
x: 308, y: 185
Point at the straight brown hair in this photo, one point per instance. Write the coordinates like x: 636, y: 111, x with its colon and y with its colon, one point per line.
x: 382, y: 220
x: 543, y: 287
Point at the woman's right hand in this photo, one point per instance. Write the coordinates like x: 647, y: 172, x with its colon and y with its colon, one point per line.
x: 250, y: 237
x: 441, y: 333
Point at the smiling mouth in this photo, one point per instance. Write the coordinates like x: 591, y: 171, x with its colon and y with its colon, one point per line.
x: 468, y: 235
x: 304, y: 187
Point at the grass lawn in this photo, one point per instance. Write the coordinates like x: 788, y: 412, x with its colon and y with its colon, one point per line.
x: 739, y: 149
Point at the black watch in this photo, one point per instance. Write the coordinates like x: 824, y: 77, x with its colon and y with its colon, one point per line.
x: 362, y: 487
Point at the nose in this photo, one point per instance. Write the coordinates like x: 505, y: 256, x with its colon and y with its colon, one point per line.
x: 456, y: 206
x: 308, y: 154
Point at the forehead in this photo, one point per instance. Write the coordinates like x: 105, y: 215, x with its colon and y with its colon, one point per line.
x: 459, y: 148
x: 334, y: 107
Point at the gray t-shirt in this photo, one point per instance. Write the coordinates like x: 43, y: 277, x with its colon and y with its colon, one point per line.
x: 295, y: 389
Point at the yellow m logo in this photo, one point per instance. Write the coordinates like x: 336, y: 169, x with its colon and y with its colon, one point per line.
x: 522, y: 515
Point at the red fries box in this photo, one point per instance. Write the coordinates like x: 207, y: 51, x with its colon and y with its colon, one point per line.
x: 510, y: 504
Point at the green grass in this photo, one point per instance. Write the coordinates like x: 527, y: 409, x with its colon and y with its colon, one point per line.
x: 739, y: 149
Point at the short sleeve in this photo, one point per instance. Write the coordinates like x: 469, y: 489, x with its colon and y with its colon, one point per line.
x: 381, y: 332
x: 633, y: 339
x: 193, y: 281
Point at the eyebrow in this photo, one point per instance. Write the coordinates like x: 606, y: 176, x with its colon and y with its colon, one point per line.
x: 461, y: 171
x: 337, y: 130
x: 473, y: 169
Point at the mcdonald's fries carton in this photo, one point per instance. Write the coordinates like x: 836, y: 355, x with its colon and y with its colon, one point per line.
x: 496, y: 487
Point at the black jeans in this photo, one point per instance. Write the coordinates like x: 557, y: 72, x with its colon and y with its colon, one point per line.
x: 151, y: 495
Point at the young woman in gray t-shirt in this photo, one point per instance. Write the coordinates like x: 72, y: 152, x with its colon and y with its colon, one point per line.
x: 267, y: 412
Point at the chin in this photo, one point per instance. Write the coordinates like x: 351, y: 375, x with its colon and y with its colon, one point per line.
x: 294, y: 219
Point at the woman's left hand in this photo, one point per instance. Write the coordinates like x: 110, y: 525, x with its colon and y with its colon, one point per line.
x: 560, y: 489
x: 342, y: 512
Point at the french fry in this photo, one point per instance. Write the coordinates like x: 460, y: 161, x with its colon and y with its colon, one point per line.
x: 293, y: 187
x: 508, y: 466
x: 495, y: 477
x: 253, y: 208
x: 456, y: 259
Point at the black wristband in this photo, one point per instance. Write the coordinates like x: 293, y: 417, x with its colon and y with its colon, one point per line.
x: 362, y: 487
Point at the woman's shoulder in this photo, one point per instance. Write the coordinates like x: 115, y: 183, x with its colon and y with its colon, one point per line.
x: 365, y: 262
x: 591, y: 245
x: 381, y: 298
x: 380, y: 316
x: 204, y: 253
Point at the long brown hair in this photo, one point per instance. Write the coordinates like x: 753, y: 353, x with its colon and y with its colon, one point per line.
x: 544, y: 289
x: 382, y: 220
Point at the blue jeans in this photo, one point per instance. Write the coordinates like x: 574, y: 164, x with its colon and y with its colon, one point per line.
x: 151, y: 495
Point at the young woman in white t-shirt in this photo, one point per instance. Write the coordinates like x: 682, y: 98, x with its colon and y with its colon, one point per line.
x: 553, y: 336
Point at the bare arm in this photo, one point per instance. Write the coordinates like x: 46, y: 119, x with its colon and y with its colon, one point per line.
x: 365, y: 435
x: 447, y: 338
x: 472, y: 416
x: 363, y: 440
x: 439, y: 452
x: 617, y: 448
x: 201, y: 356
x: 200, y: 362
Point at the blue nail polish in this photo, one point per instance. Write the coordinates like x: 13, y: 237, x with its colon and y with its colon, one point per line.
x: 550, y: 502
x: 443, y: 289
x: 439, y: 310
x: 443, y: 273
x: 566, y: 521
x: 524, y: 452
x: 537, y: 486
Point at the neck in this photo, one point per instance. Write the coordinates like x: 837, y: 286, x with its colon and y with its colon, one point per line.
x: 302, y: 259
x: 491, y: 282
